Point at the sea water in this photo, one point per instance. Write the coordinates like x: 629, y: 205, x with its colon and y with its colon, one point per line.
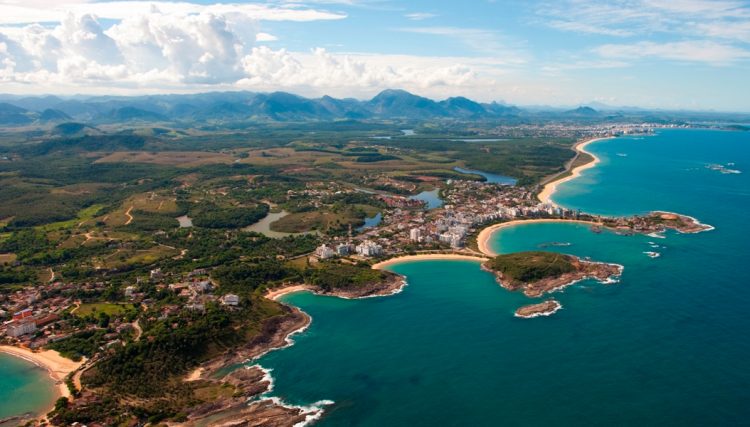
x: 24, y: 388
x: 667, y: 345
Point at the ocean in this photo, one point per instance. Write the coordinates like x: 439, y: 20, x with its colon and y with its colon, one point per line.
x: 24, y: 388
x: 667, y: 345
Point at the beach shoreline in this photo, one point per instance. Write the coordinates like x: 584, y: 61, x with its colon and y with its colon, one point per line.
x: 56, y: 366
x: 409, y: 258
x: 275, y: 294
x: 545, y: 196
x: 483, y: 239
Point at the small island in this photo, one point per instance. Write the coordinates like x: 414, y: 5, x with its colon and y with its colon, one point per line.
x: 538, y: 272
x: 545, y: 308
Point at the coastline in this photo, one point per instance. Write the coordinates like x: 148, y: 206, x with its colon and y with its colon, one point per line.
x: 485, y: 235
x: 56, y: 366
x: 407, y: 258
x: 275, y: 294
x: 545, y: 196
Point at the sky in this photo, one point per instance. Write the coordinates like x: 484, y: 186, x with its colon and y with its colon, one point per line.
x: 673, y: 54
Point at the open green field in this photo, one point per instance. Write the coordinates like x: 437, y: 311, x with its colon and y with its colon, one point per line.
x: 84, y: 215
x: 103, y: 307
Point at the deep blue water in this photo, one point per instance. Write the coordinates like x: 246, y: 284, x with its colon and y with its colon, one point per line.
x: 668, y: 345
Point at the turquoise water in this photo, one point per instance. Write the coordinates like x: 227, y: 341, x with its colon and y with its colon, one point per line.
x: 24, y: 388
x: 667, y: 345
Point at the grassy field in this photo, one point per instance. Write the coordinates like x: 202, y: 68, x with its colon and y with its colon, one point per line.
x: 102, y: 307
x: 123, y: 258
x: 84, y: 215
x: 315, y: 220
x: 167, y: 158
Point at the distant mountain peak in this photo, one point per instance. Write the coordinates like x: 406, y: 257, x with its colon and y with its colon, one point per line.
x: 583, y: 111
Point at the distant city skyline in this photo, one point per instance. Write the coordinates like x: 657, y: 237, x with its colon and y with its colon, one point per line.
x: 679, y: 54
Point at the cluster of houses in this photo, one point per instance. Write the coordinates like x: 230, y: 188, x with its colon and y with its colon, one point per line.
x: 468, y: 206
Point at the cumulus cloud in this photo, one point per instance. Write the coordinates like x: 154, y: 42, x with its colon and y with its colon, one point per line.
x: 167, y: 50
x: 56, y: 11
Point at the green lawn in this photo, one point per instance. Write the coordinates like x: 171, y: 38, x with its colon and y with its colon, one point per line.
x: 102, y: 307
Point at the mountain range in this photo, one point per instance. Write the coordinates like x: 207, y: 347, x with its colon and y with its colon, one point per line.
x: 243, y: 107
x: 239, y: 106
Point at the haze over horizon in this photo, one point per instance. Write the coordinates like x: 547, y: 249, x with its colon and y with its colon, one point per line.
x: 684, y: 54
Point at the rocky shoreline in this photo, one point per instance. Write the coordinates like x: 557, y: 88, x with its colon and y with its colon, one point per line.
x: 370, y: 290
x: 252, y: 382
x: 602, y: 272
x: 545, y: 308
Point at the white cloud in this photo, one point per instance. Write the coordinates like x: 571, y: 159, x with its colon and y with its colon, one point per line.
x: 420, y: 16
x: 158, y: 51
x: 726, y: 19
x: 265, y: 37
x: 56, y: 11
x: 687, y: 51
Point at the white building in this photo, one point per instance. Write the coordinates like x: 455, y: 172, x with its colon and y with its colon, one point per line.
x: 415, y: 235
x: 369, y: 248
x: 129, y: 291
x: 17, y: 328
x: 324, y: 252
x: 343, y: 249
x: 231, y: 299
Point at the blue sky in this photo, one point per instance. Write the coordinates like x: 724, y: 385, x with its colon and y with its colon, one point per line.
x: 686, y: 54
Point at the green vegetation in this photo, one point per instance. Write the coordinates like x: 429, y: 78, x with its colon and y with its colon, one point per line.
x: 142, y: 380
x: 531, y: 266
x: 330, y: 276
x: 82, y: 344
x: 213, y: 216
x: 109, y: 309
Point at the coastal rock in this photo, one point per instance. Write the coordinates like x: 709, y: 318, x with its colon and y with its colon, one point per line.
x: 677, y: 222
x: 545, y: 308
x: 252, y: 381
x: 265, y: 413
x: 544, y: 279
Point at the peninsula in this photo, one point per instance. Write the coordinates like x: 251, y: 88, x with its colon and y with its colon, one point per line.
x: 536, y: 273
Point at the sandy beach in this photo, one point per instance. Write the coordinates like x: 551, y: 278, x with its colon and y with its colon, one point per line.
x: 277, y: 293
x: 407, y: 258
x: 483, y: 239
x: 57, y: 366
x: 550, y: 188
